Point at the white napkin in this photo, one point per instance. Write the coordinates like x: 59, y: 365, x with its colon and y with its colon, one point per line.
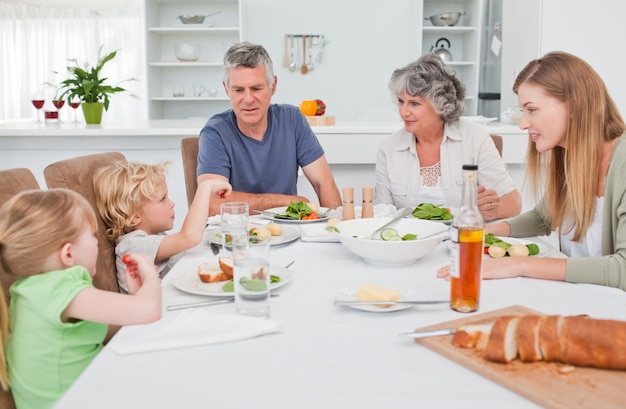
x: 189, y: 328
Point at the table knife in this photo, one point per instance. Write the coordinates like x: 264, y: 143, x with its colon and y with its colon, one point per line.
x: 424, y: 302
x: 199, y: 304
x: 429, y: 333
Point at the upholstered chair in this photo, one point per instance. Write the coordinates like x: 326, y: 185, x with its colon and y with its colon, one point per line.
x: 189, y: 151
x: 77, y: 174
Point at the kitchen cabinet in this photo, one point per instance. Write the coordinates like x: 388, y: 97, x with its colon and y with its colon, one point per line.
x: 464, y: 39
x: 189, y: 89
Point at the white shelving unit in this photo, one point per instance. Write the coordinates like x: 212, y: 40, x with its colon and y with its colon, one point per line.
x: 201, y: 80
x: 464, y: 38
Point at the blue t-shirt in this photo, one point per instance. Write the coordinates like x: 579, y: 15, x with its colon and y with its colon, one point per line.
x: 45, y: 355
x: 251, y: 166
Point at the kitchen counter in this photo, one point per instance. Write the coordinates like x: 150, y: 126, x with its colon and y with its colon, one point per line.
x: 350, y: 147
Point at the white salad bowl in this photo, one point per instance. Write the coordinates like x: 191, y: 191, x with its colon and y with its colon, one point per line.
x: 391, y: 253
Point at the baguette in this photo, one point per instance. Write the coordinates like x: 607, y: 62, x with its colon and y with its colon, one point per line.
x: 502, y: 344
x: 527, y: 337
x: 549, y: 335
x: 590, y: 342
x: 472, y: 336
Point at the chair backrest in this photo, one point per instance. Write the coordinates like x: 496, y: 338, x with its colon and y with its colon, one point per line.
x: 189, y: 150
x: 12, y: 182
x: 77, y: 174
x: 497, y: 140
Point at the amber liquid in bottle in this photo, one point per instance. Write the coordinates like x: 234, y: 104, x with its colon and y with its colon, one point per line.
x: 466, y: 234
x: 465, y: 290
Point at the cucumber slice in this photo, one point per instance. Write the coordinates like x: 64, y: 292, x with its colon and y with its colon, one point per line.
x: 388, y: 233
x: 395, y: 238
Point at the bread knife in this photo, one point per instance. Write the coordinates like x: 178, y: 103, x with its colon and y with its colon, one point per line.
x: 430, y: 333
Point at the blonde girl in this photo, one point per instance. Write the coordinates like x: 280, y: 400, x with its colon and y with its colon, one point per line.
x: 578, y: 154
x: 57, y: 325
x: 133, y: 201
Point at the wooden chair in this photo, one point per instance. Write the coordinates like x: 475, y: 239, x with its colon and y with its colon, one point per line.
x: 189, y: 151
x: 12, y: 182
x: 497, y: 140
x: 77, y: 174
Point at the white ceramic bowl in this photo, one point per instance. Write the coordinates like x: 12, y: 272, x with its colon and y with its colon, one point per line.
x: 515, y: 117
x: 187, y: 51
x: 391, y: 253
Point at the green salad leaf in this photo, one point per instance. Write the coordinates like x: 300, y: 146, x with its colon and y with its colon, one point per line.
x: 429, y: 211
x: 297, y: 210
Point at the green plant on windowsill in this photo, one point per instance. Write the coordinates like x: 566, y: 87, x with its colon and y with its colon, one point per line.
x: 86, y: 85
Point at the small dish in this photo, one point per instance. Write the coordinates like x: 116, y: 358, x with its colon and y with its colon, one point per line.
x: 352, y: 294
x: 317, y: 233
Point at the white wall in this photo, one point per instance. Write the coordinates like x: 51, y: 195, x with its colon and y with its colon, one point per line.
x: 595, y: 31
x: 368, y: 40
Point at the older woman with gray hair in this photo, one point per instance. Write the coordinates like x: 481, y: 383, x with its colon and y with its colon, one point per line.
x: 422, y: 163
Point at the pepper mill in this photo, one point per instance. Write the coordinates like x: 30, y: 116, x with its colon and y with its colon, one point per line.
x: 367, y: 209
x: 348, y: 204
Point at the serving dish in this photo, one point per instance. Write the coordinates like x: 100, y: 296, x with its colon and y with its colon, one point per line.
x: 450, y: 18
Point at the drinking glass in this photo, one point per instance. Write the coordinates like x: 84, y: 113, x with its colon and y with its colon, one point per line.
x: 38, y: 100
x: 58, y: 104
x: 251, y: 275
x: 234, y: 221
x: 74, y: 103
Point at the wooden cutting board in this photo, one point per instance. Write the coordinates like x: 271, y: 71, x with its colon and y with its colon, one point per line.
x: 540, y: 382
x: 321, y: 120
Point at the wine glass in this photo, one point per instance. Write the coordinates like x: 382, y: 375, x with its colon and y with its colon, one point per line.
x: 38, y: 100
x: 74, y: 103
x: 58, y: 104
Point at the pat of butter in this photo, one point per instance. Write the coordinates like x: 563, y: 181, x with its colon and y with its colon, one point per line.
x: 375, y: 292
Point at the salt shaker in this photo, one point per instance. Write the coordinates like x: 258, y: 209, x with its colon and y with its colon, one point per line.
x: 348, y: 204
x: 367, y: 208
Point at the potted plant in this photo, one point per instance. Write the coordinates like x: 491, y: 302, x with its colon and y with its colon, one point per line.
x: 86, y: 85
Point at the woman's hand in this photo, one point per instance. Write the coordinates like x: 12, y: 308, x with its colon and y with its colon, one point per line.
x: 493, y: 268
x: 488, y: 203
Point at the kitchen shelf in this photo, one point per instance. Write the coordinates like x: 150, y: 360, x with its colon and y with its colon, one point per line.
x: 464, y: 38
x: 167, y: 75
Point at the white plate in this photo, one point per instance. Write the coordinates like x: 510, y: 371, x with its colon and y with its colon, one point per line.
x: 318, y: 233
x: 186, y: 279
x: 289, y: 234
x: 352, y: 294
x: 453, y: 210
x: 280, y: 210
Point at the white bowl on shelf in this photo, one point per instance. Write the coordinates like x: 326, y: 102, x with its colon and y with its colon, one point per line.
x: 187, y: 51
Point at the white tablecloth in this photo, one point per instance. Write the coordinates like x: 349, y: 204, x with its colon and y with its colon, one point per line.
x: 328, y: 356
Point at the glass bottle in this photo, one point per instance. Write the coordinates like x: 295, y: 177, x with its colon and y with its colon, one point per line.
x: 466, y: 235
x: 347, y: 212
x: 367, y: 208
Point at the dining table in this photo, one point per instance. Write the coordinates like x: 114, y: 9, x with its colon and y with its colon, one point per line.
x: 325, y: 355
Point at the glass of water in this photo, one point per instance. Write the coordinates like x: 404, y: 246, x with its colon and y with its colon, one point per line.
x: 251, y: 255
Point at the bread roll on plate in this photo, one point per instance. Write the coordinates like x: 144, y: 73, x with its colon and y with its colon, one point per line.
x: 211, y: 273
